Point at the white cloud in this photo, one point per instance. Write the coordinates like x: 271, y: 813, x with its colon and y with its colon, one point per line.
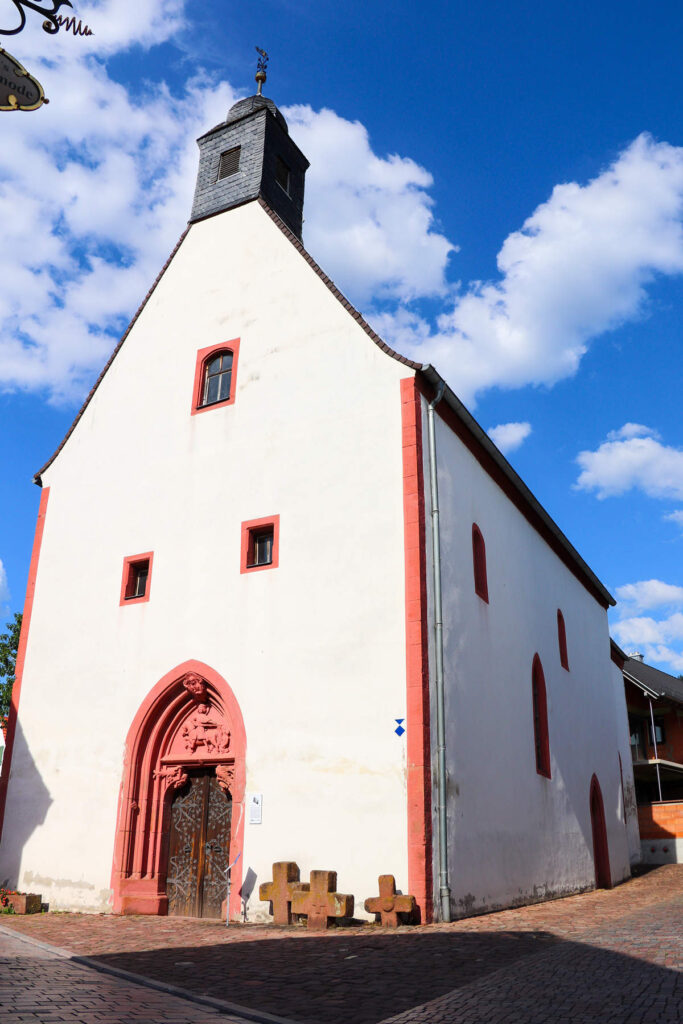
x: 675, y: 517
x: 369, y: 219
x: 4, y: 588
x: 94, y: 191
x: 632, y: 457
x: 647, y: 594
x: 95, y: 188
x: 658, y: 638
x: 630, y: 430
x: 509, y: 436
x: 579, y: 266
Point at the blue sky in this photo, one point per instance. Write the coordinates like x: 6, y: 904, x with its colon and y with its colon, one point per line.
x: 499, y: 189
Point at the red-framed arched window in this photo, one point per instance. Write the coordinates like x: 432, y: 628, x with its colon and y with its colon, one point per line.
x: 562, y: 640
x: 215, y: 376
x: 479, y: 564
x: 540, y: 708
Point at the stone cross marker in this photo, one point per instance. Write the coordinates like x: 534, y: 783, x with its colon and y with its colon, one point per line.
x: 388, y: 905
x: 279, y: 892
x: 320, y: 902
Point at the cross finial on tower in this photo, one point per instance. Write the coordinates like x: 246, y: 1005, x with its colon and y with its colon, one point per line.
x: 261, y: 69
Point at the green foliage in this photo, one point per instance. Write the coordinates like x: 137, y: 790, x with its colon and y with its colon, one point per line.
x: 9, y: 642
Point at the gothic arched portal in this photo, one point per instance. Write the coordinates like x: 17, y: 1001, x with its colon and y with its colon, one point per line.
x: 189, y: 726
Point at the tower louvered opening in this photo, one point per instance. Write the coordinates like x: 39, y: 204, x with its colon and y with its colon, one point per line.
x: 229, y: 162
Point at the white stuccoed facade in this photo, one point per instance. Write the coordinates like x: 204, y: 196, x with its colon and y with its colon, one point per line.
x: 314, y: 650
x: 514, y: 835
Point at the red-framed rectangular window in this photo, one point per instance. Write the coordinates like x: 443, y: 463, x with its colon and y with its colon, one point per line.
x: 260, y: 544
x: 215, y: 376
x: 136, y: 581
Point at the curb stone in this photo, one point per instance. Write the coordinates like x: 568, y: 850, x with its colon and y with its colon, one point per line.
x: 244, y: 1012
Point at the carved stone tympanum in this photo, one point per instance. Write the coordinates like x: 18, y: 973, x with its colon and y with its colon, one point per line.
x: 206, y: 730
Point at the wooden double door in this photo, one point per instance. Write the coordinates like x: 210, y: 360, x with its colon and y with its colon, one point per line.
x: 199, y: 847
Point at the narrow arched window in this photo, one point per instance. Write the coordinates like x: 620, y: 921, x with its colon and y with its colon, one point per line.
x: 562, y: 640
x: 479, y: 563
x: 540, y: 708
x: 217, y: 378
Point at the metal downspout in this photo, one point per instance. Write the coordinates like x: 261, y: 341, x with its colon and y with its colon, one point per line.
x: 444, y: 888
x: 654, y: 744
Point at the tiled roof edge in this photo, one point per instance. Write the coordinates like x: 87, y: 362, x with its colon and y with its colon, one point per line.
x: 112, y: 357
x: 358, y: 317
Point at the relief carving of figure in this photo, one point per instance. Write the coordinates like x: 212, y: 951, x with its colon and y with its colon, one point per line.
x: 206, y: 730
x: 196, y: 687
x: 225, y: 773
x: 175, y: 776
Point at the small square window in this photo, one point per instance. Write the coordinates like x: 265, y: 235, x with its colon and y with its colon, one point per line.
x: 260, y: 540
x: 136, y: 582
x: 282, y: 174
x: 260, y: 547
x: 229, y: 163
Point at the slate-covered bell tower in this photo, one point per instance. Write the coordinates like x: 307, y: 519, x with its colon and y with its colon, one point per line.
x: 247, y: 156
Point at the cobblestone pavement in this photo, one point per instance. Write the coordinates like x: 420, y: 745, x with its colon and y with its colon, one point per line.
x: 593, y: 958
x: 41, y: 987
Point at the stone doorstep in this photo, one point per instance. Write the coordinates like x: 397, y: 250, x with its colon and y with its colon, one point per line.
x: 244, y: 1012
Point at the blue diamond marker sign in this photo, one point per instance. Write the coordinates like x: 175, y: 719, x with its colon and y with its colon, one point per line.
x: 399, y: 730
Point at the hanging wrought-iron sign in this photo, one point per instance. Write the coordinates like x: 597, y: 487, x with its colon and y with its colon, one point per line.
x: 52, y: 20
x: 18, y: 89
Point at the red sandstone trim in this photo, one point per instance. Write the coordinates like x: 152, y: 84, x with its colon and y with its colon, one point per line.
x: 481, y: 583
x: 129, y: 560
x: 540, y: 711
x: 138, y: 877
x: 419, y: 781
x: 21, y: 653
x: 247, y: 528
x: 562, y: 640
x: 203, y: 356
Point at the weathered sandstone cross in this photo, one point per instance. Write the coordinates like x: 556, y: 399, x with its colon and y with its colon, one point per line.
x: 279, y: 892
x: 320, y: 902
x: 388, y: 905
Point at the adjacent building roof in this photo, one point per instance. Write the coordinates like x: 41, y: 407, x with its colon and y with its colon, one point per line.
x: 653, y: 681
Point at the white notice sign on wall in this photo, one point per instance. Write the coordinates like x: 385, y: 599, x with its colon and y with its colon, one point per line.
x: 255, y: 807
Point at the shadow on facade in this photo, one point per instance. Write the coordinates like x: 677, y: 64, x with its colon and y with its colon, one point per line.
x: 532, y: 977
x: 28, y: 801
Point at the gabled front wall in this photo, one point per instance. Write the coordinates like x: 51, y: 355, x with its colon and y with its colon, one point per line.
x: 515, y: 836
x: 313, y: 650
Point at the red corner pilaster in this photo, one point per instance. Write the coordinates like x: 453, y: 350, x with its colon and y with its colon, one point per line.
x: 417, y: 663
x: 21, y: 653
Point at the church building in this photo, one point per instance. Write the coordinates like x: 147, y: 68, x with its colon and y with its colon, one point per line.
x: 288, y: 602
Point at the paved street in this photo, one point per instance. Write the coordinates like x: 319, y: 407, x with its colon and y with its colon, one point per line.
x: 601, y: 956
x: 38, y: 987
